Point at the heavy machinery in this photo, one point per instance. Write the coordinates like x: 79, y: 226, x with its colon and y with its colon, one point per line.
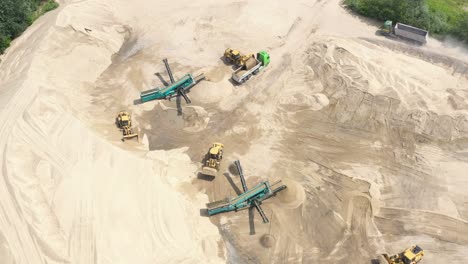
x: 231, y: 55
x: 411, y: 255
x: 177, y: 88
x: 213, y: 160
x: 124, y: 122
x: 404, y: 31
x: 235, y: 57
x: 249, y: 198
x: 251, y: 67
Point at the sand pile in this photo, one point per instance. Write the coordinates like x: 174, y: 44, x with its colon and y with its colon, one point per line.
x: 369, y: 160
x: 368, y: 134
x: 68, y: 195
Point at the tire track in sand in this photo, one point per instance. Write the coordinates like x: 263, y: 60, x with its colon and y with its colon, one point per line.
x: 82, y: 245
x: 18, y: 235
x: 19, y: 95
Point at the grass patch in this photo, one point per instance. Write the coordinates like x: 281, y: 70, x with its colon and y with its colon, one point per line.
x: 453, y: 9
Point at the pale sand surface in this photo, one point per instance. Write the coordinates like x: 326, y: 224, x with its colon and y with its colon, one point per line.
x: 369, y: 134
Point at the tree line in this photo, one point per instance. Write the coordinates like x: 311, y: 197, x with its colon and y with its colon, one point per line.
x: 17, y: 15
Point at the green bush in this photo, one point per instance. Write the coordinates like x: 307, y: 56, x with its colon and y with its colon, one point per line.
x: 50, y: 5
x: 461, y: 28
x: 17, y: 15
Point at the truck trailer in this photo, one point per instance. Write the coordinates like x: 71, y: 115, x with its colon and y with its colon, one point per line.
x: 412, y: 33
x: 405, y: 31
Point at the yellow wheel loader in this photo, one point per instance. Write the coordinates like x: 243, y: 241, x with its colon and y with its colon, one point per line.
x: 235, y: 57
x: 213, y: 160
x: 231, y: 55
x: 411, y: 255
x: 124, y: 122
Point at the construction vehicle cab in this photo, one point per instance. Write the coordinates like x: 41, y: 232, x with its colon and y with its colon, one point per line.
x: 213, y: 160
x: 264, y: 58
x: 216, y: 152
x: 413, y: 255
x: 232, y: 55
x: 124, y: 120
x: 387, y: 27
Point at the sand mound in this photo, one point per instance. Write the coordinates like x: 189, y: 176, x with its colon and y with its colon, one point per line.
x: 293, y: 196
x: 215, y: 75
x: 74, y: 197
x: 190, y: 118
x: 267, y: 241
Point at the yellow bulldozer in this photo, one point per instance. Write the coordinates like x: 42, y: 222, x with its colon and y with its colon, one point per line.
x: 213, y: 160
x: 411, y: 255
x: 235, y: 57
x: 124, y: 122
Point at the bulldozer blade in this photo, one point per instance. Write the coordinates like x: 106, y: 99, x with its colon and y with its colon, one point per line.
x: 130, y: 136
x: 209, y: 171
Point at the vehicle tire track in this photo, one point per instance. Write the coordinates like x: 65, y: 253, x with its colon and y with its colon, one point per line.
x: 82, y: 246
x: 392, y: 220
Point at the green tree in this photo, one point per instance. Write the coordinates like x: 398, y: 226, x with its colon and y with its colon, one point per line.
x: 17, y: 15
x: 461, y: 29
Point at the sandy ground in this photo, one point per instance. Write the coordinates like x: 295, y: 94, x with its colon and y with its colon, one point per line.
x: 369, y: 135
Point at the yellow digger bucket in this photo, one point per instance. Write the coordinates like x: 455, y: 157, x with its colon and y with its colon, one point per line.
x: 130, y: 136
x: 384, y: 258
x: 209, y: 171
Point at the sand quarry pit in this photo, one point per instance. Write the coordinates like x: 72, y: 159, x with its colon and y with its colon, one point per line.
x: 369, y: 135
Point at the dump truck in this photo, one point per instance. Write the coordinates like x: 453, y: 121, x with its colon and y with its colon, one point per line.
x: 251, y: 67
x: 405, y: 31
x: 411, y: 255
x: 213, y: 160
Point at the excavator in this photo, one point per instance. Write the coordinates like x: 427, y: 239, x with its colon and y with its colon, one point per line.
x: 234, y: 56
x: 213, y: 160
x: 124, y: 122
x: 411, y: 255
